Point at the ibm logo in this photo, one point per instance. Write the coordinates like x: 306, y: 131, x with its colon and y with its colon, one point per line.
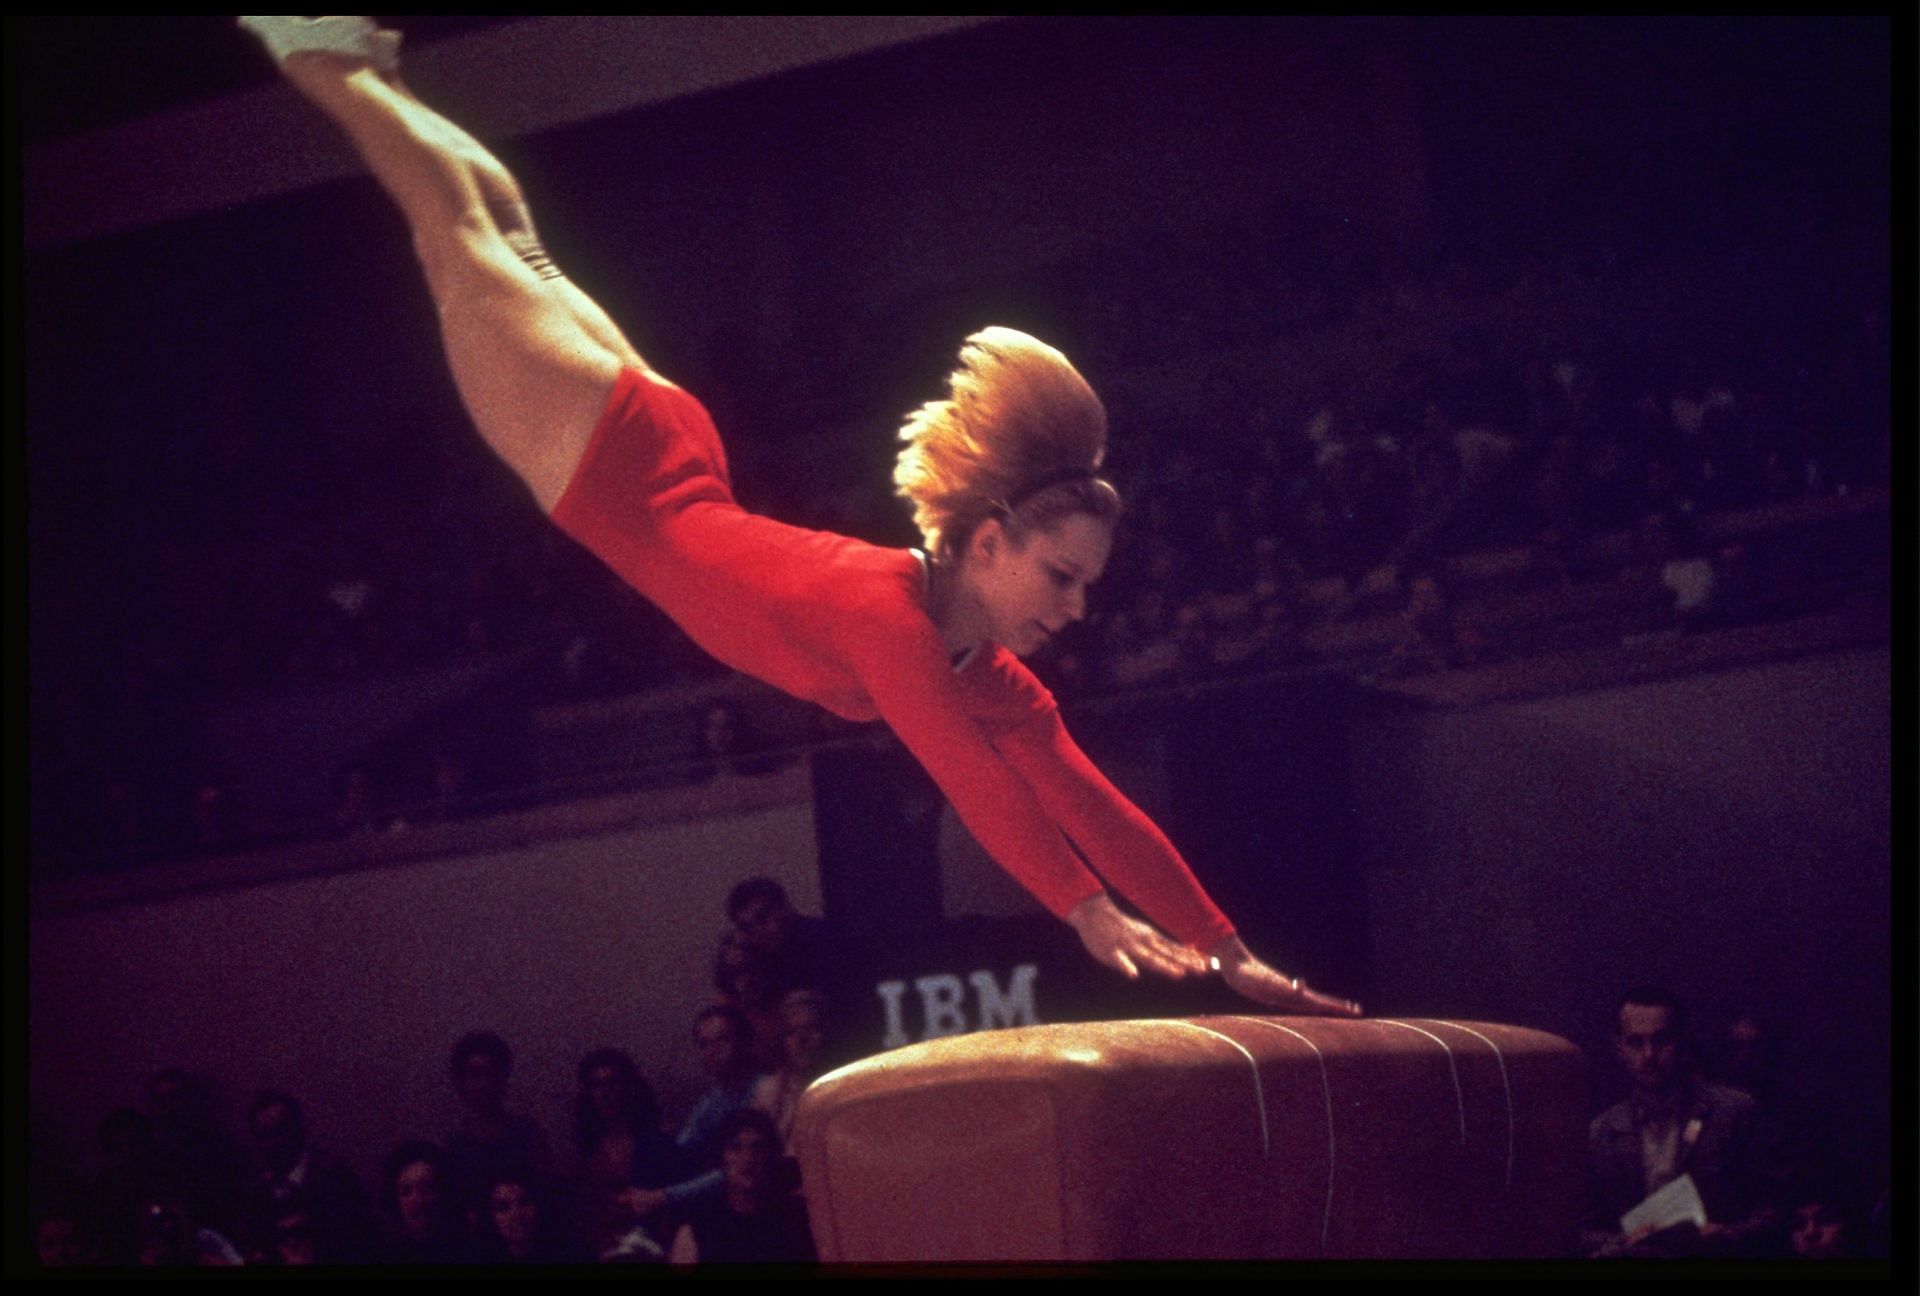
x: 943, y: 1004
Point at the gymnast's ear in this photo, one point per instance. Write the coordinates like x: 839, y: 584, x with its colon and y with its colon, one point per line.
x: 987, y: 540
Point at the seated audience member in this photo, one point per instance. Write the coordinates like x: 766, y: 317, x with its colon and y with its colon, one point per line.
x: 765, y: 918
x: 1673, y: 1124
x: 1823, y: 1225
x: 204, y: 1166
x: 623, y: 1155
x: 423, y: 1224
x: 757, y: 1219
x: 804, y: 1014
x: 724, y: 1041
x: 519, y: 1225
x: 1747, y: 1056
x: 302, y: 1203
x: 728, y: 744
x: 172, y: 1238
x: 489, y: 1141
x: 744, y: 978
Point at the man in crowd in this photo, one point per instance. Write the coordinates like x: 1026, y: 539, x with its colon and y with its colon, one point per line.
x: 1673, y: 1124
x: 296, y: 1182
x: 489, y: 1141
x: 790, y: 941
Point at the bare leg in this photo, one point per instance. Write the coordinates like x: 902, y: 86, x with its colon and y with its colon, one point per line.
x: 533, y: 357
x: 508, y: 207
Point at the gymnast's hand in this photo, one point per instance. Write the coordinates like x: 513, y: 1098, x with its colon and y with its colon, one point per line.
x: 1127, y: 944
x: 1260, y: 983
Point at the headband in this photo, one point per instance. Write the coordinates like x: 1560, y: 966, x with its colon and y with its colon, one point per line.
x: 1033, y: 488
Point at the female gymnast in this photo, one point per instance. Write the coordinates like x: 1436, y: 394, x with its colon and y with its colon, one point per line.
x: 1002, y: 477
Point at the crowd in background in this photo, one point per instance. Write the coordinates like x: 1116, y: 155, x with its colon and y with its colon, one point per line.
x: 627, y: 1183
x: 1270, y: 510
x: 493, y: 1186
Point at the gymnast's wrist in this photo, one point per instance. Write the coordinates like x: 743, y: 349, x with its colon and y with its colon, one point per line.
x: 1094, y: 906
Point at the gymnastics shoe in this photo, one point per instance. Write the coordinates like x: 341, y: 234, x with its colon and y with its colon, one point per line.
x: 354, y: 38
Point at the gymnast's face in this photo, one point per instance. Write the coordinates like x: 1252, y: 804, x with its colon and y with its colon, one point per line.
x: 1031, y: 592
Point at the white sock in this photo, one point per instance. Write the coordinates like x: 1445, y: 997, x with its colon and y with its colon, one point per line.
x: 356, y: 38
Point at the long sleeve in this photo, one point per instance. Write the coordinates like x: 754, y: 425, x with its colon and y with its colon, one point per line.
x: 699, y: 1186
x: 1116, y: 836
x: 905, y: 671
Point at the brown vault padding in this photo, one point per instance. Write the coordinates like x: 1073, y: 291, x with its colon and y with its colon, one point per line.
x: 1214, y: 1138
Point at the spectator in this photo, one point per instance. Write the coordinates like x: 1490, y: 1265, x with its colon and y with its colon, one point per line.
x: 519, y: 1226
x: 804, y: 1015
x: 623, y: 1153
x: 171, y: 1238
x: 744, y: 977
x: 354, y: 811
x: 203, y: 1165
x: 489, y: 1141
x: 424, y: 1225
x: 1673, y: 1124
x: 758, y: 1219
x: 766, y: 920
x: 1747, y: 1057
x: 727, y: 743
x: 1822, y: 1226
x: 1142, y: 646
x: 725, y: 1045
x: 1426, y: 628
x: 302, y: 1203
x: 1552, y: 503
x: 1688, y: 572
x: 724, y: 1041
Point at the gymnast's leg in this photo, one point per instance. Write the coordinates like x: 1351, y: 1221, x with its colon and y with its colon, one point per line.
x: 533, y: 357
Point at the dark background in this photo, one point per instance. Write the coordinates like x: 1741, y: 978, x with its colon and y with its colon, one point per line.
x: 251, y: 398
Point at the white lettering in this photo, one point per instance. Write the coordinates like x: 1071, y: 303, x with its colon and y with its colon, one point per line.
x: 890, y: 993
x: 1015, y: 1007
x: 940, y: 998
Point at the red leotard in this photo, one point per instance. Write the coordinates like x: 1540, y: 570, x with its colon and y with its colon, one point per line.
x: 843, y: 623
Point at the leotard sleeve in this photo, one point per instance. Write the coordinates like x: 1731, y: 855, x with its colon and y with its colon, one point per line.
x: 905, y: 671
x: 1118, y: 838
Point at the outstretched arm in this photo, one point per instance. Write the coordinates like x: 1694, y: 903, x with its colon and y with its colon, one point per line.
x: 907, y: 675
x: 1132, y: 853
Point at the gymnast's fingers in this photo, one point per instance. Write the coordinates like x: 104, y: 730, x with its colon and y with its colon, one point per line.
x: 1170, y: 959
x: 1263, y: 984
x: 1326, y: 1005
x: 1156, y: 962
x: 1148, y: 946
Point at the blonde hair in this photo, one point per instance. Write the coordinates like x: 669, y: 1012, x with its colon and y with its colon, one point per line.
x: 1017, y: 414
